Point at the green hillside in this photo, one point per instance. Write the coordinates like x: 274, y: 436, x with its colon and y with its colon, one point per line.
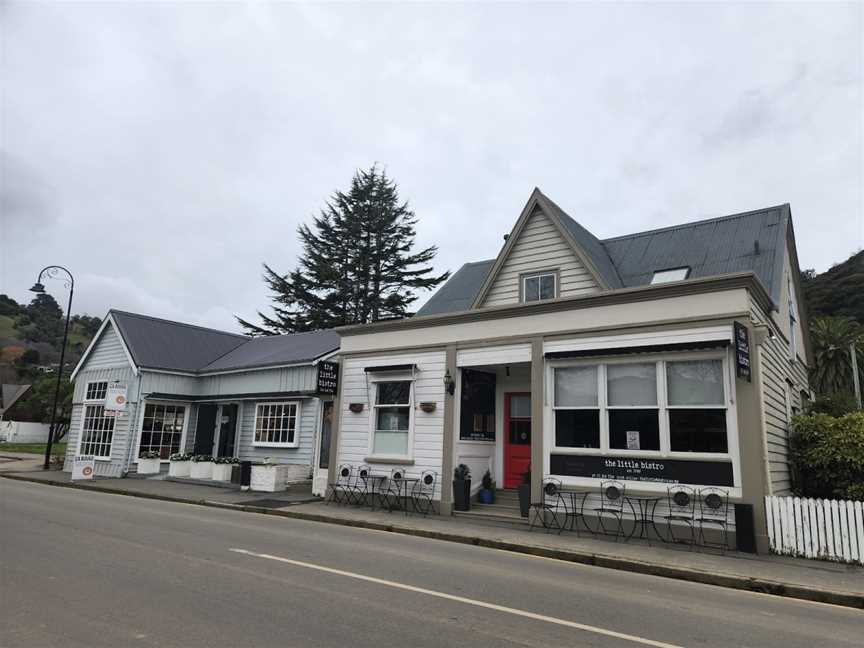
x: 837, y: 291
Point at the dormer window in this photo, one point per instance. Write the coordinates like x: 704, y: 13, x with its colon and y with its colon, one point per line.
x: 539, y: 286
x: 672, y: 274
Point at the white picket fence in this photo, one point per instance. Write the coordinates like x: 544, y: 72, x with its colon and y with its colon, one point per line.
x: 816, y: 528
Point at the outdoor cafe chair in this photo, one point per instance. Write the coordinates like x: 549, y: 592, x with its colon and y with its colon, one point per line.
x: 551, y: 511
x: 392, y: 495
x: 713, y: 512
x: 681, y: 502
x: 340, y: 491
x: 423, y: 493
x: 360, y: 489
x: 612, y: 498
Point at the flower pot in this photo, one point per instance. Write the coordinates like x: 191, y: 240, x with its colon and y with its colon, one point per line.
x: 486, y: 496
x: 462, y: 494
x: 269, y: 478
x: 222, y: 472
x: 148, y: 466
x: 524, y: 499
x: 179, y: 468
x: 202, y: 470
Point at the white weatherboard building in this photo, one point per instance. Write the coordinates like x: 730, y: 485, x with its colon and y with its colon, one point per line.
x: 670, y: 356
x: 200, y: 390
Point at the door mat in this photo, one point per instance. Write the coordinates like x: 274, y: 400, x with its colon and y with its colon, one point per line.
x: 266, y: 503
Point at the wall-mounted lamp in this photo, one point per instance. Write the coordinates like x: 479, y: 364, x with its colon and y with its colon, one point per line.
x: 449, y: 383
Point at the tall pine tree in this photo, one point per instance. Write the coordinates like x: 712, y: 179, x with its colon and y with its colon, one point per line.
x: 357, y: 265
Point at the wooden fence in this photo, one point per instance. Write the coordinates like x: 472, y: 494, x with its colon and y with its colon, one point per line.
x: 816, y: 528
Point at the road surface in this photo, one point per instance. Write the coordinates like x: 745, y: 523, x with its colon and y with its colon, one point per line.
x: 81, y: 568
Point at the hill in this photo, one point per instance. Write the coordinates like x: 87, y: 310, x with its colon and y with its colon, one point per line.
x: 837, y: 291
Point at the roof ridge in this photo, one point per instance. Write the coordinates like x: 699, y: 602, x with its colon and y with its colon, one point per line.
x: 704, y: 221
x: 176, y: 323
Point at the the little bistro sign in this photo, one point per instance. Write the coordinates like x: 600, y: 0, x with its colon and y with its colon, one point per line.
x: 668, y: 471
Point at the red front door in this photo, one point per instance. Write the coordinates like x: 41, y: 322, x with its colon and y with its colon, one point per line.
x: 517, y: 437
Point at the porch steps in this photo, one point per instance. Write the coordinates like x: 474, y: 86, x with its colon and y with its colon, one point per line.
x: 505, y: 510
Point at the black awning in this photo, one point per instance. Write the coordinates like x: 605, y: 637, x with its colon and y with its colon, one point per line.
x: 385, y: 368
x: 651, y: 348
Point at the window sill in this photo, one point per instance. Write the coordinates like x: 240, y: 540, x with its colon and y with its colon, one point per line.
x: 396, y: 461
x: 284, y: 446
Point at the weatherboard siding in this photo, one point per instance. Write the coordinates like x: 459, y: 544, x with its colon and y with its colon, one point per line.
x: 302, y: 455
x: 108, y: 351
x: 289, y: 379
x: 540, y: 246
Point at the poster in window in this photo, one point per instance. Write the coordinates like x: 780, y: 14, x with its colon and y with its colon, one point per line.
x: 633, y: 440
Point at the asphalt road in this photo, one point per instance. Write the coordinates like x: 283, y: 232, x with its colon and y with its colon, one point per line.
x: 90, y: 569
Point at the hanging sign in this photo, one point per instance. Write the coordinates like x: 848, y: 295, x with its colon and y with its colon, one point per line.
x: 665, y: 471
x: 115, y: 398
x: 742, y: 351
x: 328, y: 377
x: 83, y: 467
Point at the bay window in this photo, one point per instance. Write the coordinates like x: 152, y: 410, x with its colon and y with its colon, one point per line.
x: 392, y: 418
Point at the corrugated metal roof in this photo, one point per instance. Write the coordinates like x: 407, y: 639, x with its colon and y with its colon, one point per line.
x: 165, y: 344
x: 460, y: 290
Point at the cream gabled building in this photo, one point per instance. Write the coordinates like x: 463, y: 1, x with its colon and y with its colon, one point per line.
x: 624, y: 358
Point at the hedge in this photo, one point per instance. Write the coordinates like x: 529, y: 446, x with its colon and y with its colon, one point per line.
x: 827, y: 454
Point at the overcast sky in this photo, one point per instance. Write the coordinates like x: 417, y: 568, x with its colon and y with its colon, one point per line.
x: 163, y: 151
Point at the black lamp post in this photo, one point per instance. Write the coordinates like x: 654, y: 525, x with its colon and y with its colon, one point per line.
x: 52, y: 272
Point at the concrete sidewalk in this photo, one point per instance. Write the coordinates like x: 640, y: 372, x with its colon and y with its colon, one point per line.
x: 797, y: 578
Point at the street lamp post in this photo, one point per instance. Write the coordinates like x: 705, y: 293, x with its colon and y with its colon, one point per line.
x: 52, y: 272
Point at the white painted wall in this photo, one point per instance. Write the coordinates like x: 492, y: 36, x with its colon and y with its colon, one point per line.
x: 24, y: 432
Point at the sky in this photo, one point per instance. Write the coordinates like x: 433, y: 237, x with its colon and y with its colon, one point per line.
x: 163, y: 151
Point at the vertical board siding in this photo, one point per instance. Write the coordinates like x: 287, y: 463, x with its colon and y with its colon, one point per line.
x: 354, y: 429
x: 540, y: 246
x: 816, y: 528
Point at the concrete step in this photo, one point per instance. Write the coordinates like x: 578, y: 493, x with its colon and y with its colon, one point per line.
x: 497, y: 519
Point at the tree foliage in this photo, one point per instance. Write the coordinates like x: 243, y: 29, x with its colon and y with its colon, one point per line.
x: 35, y: 406
x: 41, y: 320
x: 358, y: 264
x: 838, y: 291
x: 827, y: 455
x: 832, y: 339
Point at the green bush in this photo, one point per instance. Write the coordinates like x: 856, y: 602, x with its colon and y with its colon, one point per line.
x: 834, y: 404
x: 828, y: 455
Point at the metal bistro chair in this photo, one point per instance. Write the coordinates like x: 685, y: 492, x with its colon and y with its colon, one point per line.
x: 340, y: 491
x: 611, y: 503
x: 548, y: 510
x: 423, y: 493
x: 713, y: 510
x: 392, y: 496
x: 681, y: 501
x: 361, y: 488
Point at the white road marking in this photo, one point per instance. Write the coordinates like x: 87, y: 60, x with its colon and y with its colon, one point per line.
x: 461, y: 599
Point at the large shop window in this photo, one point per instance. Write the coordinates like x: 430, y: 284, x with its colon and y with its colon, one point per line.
x: 162, y: 429
x: 626, y: 406
x: 97, y: 431
x: 392, y: 418
x: 276, y: 424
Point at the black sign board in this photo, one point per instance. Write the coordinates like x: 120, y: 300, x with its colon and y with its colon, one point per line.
x: 328, y: 377
x: 666, y: 471
x: 742, y: 351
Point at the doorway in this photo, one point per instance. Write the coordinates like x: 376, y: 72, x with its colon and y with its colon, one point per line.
x: 517, y: 437
x: 227, y: 430
x: 205, y: 429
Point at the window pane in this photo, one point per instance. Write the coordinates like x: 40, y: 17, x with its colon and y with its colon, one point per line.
x: 520, y: 406
x: 577, y: 428
x: 394, y: 392
x: 547, y: 286
x: 392, y: 418
x: 576, y: 387
x: 698, y: 430
x: 695, y: 382
x: 632, y: 384
x: 391, y: 443
x: 642, y: 426
x: 532, y: 289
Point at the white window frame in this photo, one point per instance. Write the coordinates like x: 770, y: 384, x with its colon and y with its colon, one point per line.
x: 373, y: 416
x: 85, y: 403
x: 538, y: 275
x: 143, y: 408
x: 668, y: 275
x: 730, y: 398
x: 277, y: 444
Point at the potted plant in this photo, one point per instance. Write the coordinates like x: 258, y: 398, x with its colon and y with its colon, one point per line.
x: 180, y: 464
x: 462, y: 488
x: 148, y: 463
x: 202, y: 467
x: 487, y: 489
x: 222, y: 467
x: 525, y: 493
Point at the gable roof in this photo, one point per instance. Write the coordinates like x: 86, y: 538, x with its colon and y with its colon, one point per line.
x: 716, y: 246
x: 166, y: 345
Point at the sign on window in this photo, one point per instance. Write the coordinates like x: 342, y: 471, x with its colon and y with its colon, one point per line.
x: 115, y: 398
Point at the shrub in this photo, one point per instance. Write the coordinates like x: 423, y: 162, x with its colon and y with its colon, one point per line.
x: 202, y: 458
x: 226, y: 460
x: 487, y: 481
x: 837, y: 404
x: 461, y: 472
x: 181, y: 456
x: 149, y: 454
x: 827, y: 455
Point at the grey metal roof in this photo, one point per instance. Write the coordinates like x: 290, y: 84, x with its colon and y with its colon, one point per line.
x: 164, y: 344
x: 9, y: 394
x: 277, y: 350
x: 460, y: 290
x: 710, y: 247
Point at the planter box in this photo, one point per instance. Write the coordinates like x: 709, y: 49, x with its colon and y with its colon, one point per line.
x: 222, y: 472
x: 269, y: 479
x: 462, y: 494
x: 524, y: 499
x: 179, y: 468
x: 148, y: 466
x: 202, y: 470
